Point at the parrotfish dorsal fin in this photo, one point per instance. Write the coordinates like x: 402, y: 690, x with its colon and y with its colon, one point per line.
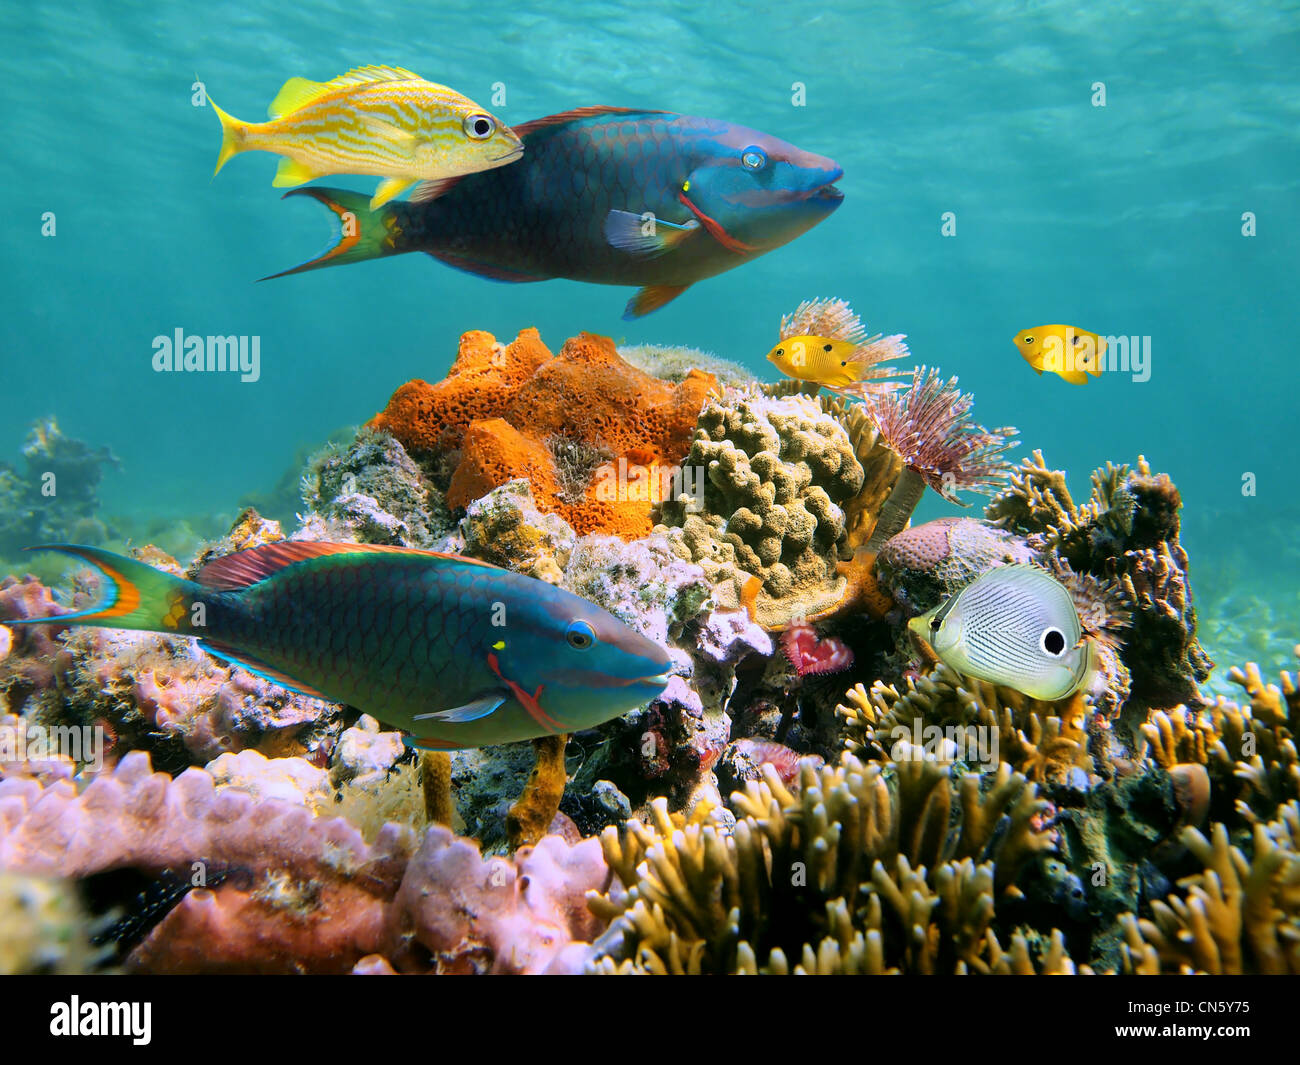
x: 298, y: 92
x: 580, y: 112
x: 245, y: 568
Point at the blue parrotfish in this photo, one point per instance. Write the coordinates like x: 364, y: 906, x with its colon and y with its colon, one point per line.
x: 606, y: 195
x: 453, y: 651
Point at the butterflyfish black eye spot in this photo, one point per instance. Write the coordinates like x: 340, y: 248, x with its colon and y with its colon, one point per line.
x: 934, y: 624
x: 580, y: 635
x: 1053, y: 642
x: 843, y: 363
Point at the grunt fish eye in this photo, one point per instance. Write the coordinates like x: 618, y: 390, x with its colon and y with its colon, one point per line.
x: 1052, y: 642
x: 580, y: 635
x: 753, y: 158
x: 479, y: 127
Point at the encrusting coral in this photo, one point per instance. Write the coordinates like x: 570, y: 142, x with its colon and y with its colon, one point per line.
x: 501, y: 407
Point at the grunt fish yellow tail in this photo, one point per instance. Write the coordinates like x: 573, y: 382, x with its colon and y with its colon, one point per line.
x: 232, y: 136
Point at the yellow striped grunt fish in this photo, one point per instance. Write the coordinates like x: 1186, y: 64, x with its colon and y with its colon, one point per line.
x: 1016, y: 626
x: 372, y: 120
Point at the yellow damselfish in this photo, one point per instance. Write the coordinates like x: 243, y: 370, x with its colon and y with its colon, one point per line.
x: 1072, y: 354
x: 372, y: 120
x: 823, y: 342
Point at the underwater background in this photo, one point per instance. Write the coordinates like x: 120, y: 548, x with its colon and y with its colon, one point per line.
x: 1124, y: 219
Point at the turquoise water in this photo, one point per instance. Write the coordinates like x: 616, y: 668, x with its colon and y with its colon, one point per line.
x: 1123, y: 219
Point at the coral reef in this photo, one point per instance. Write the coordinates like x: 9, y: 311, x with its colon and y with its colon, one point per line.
x: 848, y: 873
x: 371, y: 492
x: 1126, y: 532
x: 499, y: 406
x: 43, y: 928
x: 54, y: 496
x: 276, y: 888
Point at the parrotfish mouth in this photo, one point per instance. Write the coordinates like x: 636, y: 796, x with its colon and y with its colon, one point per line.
x: 606, y: 681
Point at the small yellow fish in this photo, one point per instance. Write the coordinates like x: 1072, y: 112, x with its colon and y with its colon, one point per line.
x: 823, y: 342
x: 824, y: 360
x: 372, y: 120
x: 1073, y: 354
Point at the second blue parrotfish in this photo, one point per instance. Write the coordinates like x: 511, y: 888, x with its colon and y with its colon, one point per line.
x: 453, y: 651
x: 606, y: 195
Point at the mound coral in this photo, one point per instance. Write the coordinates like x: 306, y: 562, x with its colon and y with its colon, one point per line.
x: 501, y: 408
x: 776, y: 473
x: 922, y: 565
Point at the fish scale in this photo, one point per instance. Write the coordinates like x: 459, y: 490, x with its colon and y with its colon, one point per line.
x: 547, y: 215
x: 401, y: 634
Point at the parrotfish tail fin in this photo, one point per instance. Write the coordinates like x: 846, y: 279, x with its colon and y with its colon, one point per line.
x: 232, y: 136
x: 137, y: 596
x: 363, y: 233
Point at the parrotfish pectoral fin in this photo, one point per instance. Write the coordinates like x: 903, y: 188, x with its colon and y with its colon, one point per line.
x: 651, y: 298
x: 644, y: 236
x: 363, y: 233
x: 262, y: 669
x: 291, y: 172
x: 479, y: 708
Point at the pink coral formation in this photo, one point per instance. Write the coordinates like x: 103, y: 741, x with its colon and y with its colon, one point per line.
x: 299, y: 892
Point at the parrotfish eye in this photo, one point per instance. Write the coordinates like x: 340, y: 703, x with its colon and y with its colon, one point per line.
x: 753, y: 158
x: 479, y: 127
x: 580, y: 635
x: 1052, y: 642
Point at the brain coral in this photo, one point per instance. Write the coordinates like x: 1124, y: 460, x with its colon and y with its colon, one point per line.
x: 511, y: 410
x: 777, y: 473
